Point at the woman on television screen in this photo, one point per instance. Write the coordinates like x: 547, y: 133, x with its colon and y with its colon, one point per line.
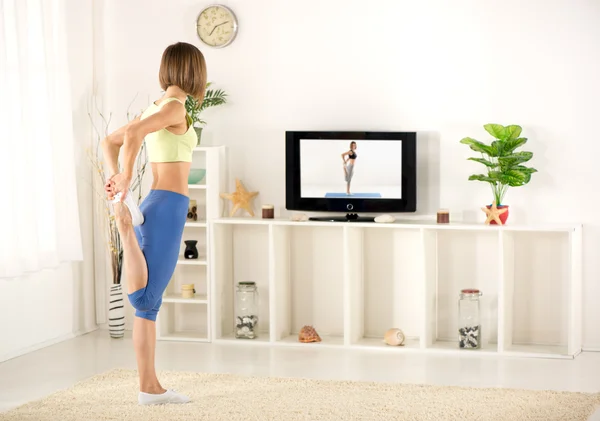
x: 349, y: 158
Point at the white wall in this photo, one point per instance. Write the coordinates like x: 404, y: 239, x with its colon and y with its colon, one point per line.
x: 54, y: 305
x: 442, y: 69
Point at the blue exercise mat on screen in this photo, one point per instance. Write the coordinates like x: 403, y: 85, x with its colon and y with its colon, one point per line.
x: 353, y: 195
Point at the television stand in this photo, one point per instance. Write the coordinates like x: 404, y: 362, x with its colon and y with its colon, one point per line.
x: 356, y: 281
x: 350, y: 217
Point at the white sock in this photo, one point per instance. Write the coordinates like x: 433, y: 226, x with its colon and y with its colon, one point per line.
x: 137, y: 217
x: 170, y: 396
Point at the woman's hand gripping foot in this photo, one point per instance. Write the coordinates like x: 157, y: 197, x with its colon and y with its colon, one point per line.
x: 117, y: 190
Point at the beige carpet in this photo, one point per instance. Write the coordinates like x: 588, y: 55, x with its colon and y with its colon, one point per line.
x: 112, y: 396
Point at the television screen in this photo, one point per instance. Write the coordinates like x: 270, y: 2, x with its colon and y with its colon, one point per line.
x: 360, y: 169
x: 353, y: 172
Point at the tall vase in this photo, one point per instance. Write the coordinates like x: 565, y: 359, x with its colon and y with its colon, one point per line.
x: 116, y: 311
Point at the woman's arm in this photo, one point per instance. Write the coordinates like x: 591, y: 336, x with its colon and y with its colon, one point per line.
x: 133, y: 135
x: 111, y: 146
x: 169, y: 115
x: 344, y: 156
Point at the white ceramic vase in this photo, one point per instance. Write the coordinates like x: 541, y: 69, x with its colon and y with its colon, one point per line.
x: 116, y: 311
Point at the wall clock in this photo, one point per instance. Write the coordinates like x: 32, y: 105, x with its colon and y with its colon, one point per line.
x: 217, y: 26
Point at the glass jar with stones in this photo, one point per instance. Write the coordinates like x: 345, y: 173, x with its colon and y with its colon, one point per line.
x: 246, y: 311
x: 469, y: 319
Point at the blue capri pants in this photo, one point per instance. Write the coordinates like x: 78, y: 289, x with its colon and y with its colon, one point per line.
x: 160, y: 235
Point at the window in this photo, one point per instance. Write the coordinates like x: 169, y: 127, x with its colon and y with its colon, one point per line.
x: 39, y: 215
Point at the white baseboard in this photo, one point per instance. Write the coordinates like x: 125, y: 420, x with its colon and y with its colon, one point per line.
x: 41, y: 345
x: 591, y: 349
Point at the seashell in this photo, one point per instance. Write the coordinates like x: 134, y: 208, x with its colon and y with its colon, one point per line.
x: 300, y: 217
x: 308, y: 334
x: 385, y: 219
x: 394, y: 337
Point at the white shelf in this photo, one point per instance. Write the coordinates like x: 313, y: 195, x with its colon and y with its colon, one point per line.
x: 262, y: 339
x: 353, y: 281
x: 189, y: 319
x: 405, y: 224
x: 410, y: 344
x: 292, y: 340
x: 326, y: 341
x: 200, y: 261
x: 538, y: 351
x: 198, y: 299
x: 190, y: 336
x: 206, y: 148
x: 491, y: 349
x: 182, y: 319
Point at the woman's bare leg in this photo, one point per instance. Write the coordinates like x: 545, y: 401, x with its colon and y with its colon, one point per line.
x: 144, y: 342
x: 134, y: 262
x: 136, y: 273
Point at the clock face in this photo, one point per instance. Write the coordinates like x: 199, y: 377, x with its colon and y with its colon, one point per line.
x: 217, y: 26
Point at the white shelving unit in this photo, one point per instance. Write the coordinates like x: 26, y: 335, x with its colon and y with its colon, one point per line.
x: 353, y: 281
x: 188, y: 319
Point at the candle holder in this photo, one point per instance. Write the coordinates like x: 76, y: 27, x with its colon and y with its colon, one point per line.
x: 268, y: 211
x: 188, y: 291
x: 190, y: 252
x: 443, y: 216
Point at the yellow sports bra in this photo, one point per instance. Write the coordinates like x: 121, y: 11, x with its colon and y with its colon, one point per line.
x: 164, y: 146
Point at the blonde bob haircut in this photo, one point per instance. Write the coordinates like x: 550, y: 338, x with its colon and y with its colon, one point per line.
x: 183, y: 65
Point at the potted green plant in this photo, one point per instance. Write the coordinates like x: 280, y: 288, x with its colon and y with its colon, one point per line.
x: 194, y: 108
x: 504, y: 165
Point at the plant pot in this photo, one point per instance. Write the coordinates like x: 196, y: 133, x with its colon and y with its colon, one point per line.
x: 191, y: 252
x: 503, y: 216
x: 198, y: 131
x: 116, y: 311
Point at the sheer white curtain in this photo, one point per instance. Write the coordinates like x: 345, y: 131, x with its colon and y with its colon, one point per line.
x: 39, y: 215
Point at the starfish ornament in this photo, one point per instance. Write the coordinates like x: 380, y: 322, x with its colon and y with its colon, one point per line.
x: 493, y: 214
x: 241, y: 198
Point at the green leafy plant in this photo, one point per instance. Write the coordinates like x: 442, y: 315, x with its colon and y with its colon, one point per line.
x: 212, y: 98
x: 503, y: 164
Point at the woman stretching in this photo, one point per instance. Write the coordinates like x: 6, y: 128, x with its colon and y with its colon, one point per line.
x: 151, y: 249
x: 349, y: 158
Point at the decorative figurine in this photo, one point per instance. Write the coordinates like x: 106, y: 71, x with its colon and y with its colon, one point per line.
x: 192, y: 214
x: 299, y: 217
x: 241, y: 198
x: 384, y: 219
x: 493, y: 214
x: 394, y: 337
x: 308, y: 334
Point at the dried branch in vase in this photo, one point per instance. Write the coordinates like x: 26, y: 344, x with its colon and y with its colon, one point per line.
x: 100, y: 124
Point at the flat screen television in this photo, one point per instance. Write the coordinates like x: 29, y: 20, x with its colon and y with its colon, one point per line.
x: 352, y: 172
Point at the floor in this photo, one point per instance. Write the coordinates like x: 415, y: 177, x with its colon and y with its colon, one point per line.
x: 43, y: 372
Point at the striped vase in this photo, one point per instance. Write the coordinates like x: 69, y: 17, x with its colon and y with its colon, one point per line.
x: 116, y: 311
